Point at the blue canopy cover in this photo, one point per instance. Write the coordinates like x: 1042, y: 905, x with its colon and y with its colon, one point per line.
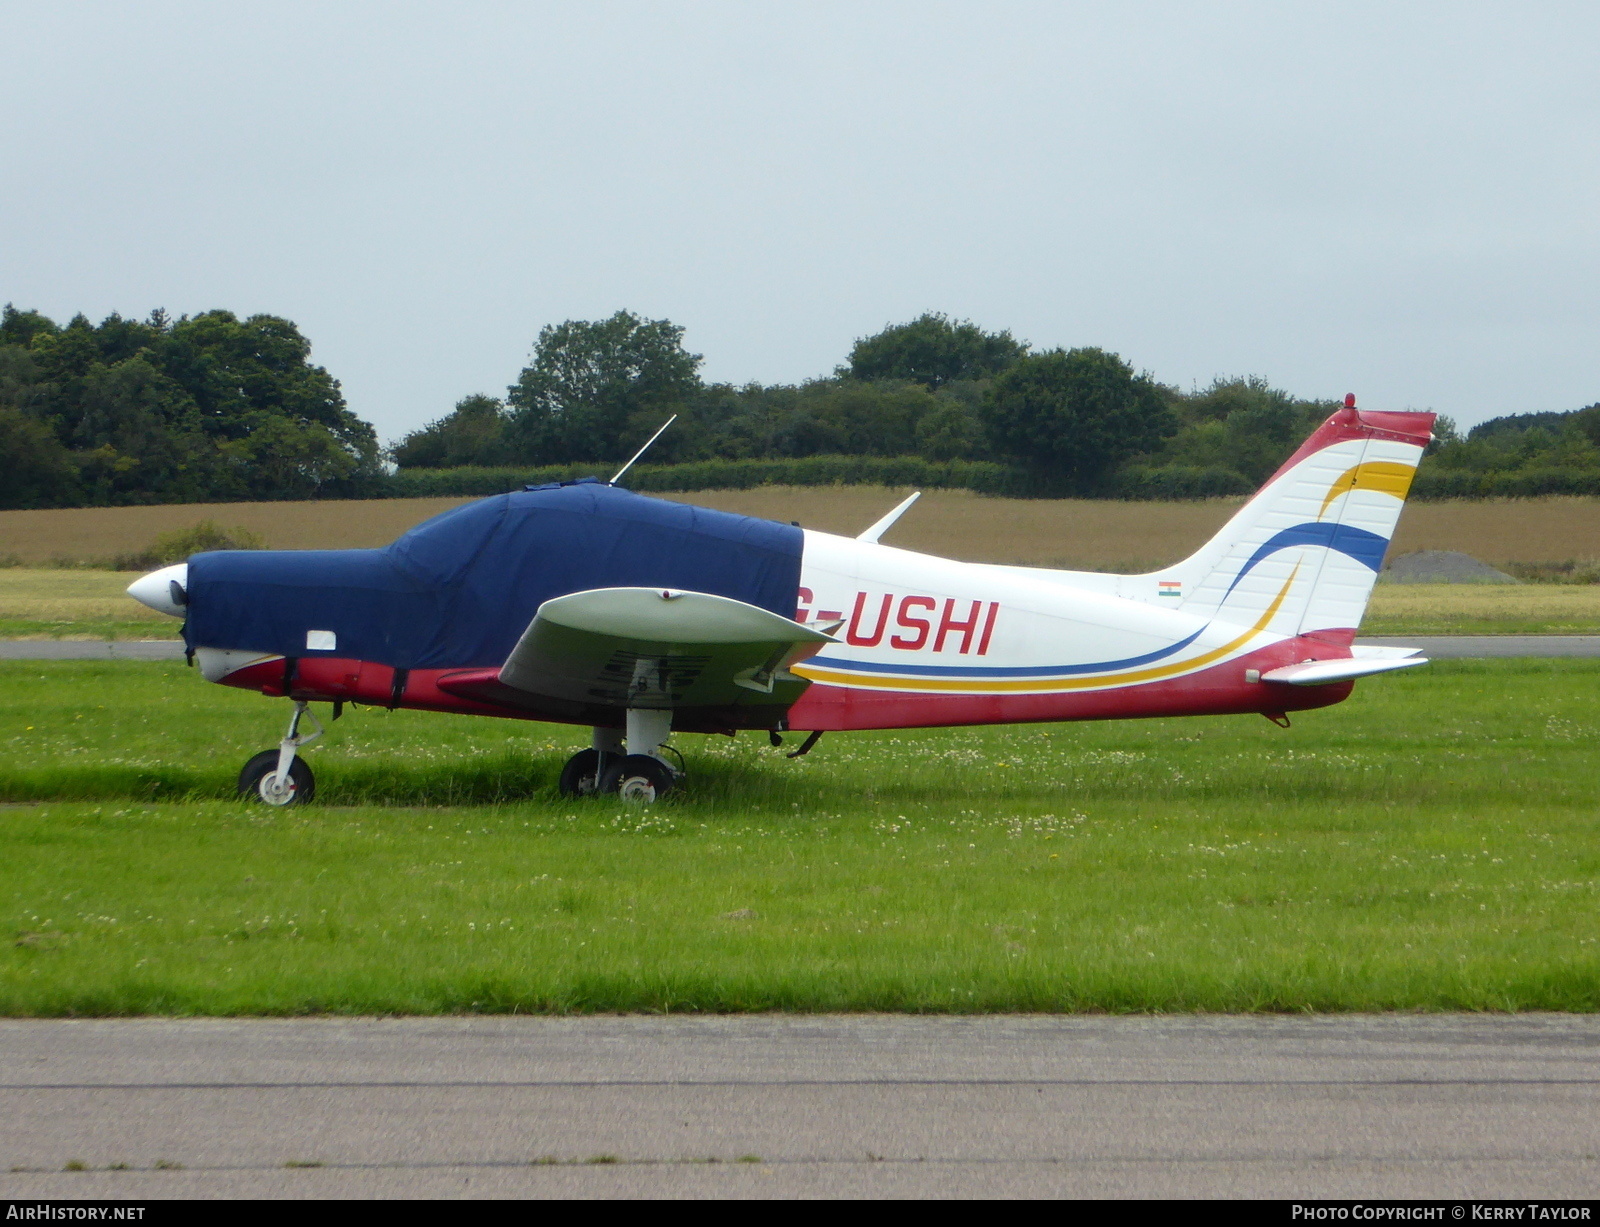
x: 458, y: 590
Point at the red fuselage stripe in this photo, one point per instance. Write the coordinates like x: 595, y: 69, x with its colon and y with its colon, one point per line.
x: 1218, y: 690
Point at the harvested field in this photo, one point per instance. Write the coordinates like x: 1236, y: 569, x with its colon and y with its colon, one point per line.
x: 1077, y: 533
x: 1092, y: 534
x: 90, y: 534
x: 1116, y: 536
x: 1503, y: 530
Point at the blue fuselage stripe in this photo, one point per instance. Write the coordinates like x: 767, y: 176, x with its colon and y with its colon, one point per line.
x: 1004, y: 671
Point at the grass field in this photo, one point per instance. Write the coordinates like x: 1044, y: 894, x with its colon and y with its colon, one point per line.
x: 64, y: 604
x: 1483, y: 609
x: 1430, y: 844
x: 1097, y: 535
x: 72, y: 604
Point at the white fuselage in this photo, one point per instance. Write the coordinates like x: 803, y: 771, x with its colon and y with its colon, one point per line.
x: 911, y: 613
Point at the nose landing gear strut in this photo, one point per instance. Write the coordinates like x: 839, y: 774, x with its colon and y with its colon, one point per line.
x: 280, y: 777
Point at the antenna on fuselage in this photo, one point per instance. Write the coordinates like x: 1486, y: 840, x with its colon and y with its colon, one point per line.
x: 618, y: 475
x: 884, y: 525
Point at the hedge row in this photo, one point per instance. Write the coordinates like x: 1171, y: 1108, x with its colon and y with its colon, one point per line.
x: 1435, y: 483
x: 982, y: 476
x: 1431, y: 484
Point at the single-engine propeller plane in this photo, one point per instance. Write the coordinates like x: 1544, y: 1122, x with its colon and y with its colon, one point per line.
x: 584, y: 603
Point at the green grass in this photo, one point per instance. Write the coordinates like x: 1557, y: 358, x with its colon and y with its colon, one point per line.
x: 1483, y: 609
x: 88, y: 628
x: 1430, y: 844
x: 62, y: 603
x: 1460, y: 626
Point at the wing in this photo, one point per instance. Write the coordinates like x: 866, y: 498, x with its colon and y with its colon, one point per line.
x: 589, y: 656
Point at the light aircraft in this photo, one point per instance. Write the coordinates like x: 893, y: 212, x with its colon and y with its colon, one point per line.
x: 584, y: 603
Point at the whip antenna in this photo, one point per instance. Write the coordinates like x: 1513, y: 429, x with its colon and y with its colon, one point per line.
x: 618, y: 476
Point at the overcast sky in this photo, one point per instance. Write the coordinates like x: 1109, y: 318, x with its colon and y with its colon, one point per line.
x: 1400, y: 200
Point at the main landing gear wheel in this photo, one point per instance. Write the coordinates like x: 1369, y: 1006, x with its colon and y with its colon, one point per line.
x: 581, y: 776
x: 637, y: 778
x: 259, y: 781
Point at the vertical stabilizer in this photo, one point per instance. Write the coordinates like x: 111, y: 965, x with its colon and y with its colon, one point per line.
x: 1304, y: 553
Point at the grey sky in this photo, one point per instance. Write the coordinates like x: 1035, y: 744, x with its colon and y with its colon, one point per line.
x: 1400, y: 200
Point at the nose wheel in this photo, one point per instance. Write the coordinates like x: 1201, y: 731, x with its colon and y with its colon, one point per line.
x: 260, y: 781
x: 281, y: 777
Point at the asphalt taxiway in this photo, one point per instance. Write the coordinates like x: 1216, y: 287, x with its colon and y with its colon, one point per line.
x: 1442, y: 1106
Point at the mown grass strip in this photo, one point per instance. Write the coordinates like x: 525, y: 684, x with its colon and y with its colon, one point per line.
x: 1429, y: 845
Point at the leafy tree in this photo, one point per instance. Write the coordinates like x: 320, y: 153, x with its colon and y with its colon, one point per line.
x: 1071, y: 415
x: 1445, y: 434
x: 1586, y: 421
x: 233, y: 368
x: 162, y: 410
x: 594, y: 387
x: 844, y: 417
x: 1232, y: 394
x: 39, y: 471
x: 1239, y: 430
x: 951, y: 431
x: 934, y: 350
x: 137, y: 437
x: 472, y: 433
x: 1518, y: 424
x: 594, y: 390
x: 294, y: 459
x: 20, y: 327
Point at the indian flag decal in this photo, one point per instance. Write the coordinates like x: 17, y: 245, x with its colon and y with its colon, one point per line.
x: 1170, y: 587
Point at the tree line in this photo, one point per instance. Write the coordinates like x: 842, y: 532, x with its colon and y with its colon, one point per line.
x: 215, y: 408
x: 1061, y: 421
x: 208, y: 408
x: 935, y: 401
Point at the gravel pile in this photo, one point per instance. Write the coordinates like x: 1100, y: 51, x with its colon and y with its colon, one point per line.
x: 1442, y: 567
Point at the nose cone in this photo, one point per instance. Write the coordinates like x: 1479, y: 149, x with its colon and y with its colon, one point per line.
x: 165, y: 591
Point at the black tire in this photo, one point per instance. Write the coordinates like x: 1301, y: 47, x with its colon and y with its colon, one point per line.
x: 581, y: 776
x: 637, y: 778
x: 265, y: 764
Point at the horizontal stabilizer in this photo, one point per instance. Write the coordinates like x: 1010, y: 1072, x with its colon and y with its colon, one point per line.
x: 1374, y: 651
x: 1322, y: 672
x: 659, y: 648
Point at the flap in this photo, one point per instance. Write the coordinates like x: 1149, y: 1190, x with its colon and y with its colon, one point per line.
x: 1323, y: 672
x: 659, y: 648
